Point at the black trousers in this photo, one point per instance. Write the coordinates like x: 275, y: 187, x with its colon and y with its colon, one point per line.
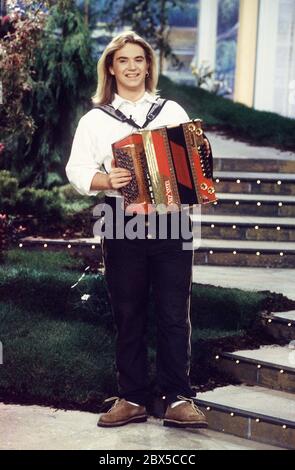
x: 132, y: 269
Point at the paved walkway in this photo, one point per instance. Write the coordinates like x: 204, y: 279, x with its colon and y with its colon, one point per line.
x: 255, y: 279
x: 225, y: 147
x: 43, y: 428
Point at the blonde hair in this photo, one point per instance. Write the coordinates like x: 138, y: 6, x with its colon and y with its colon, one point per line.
x: 106, y: 87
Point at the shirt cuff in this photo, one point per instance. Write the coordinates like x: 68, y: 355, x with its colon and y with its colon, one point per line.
x: 82, y: 181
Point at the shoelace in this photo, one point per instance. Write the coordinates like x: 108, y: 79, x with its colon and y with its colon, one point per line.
x: 191, y: 401
x: 115, y: 399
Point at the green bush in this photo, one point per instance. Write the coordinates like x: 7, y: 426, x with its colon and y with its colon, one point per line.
x: 42, y: 204
x: 69, y: 194
x: 8, y: 192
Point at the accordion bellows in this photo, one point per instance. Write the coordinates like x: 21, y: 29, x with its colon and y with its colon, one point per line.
x: 170, y: 166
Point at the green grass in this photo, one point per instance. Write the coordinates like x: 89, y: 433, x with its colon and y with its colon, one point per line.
x: 239, y: 121
x: 58, y: 349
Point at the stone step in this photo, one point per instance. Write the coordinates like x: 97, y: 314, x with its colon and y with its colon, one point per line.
x: 207, y: 251
x: 269, y: 366
x: 281, y: 325
x: 244, y: 227
x: 252, y: 204
x: 245, y: 253
x: 285, y: 316
x: 254, y: 413
x: 254, y: 182
x: 261, y: 164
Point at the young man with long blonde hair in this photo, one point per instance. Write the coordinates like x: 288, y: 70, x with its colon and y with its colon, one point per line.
x: 126, y: 92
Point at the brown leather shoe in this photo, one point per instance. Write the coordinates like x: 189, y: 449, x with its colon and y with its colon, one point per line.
x: 122, y: 413
x: 185, y: 415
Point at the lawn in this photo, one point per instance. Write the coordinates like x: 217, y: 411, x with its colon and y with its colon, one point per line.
x: 237, y: 120
x: 59, y: 349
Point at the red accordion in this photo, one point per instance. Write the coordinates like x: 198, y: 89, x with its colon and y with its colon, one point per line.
x: 170, y: 166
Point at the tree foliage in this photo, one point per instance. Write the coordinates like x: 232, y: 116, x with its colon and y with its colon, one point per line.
x: 150, y: 19
x: 60, y: 76
x: 19, y: 38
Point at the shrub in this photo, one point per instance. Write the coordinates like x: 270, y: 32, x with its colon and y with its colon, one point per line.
x: 41, y: 203
x: 8, y: 192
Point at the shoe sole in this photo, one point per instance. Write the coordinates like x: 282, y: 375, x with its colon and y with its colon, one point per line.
x: 135, y: 419
x: 184, y: 424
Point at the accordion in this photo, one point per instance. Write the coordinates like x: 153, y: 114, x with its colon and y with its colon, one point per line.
x: 170, y: 166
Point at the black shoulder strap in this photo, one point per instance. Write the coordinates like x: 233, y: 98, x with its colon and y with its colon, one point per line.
x: 154, y: 110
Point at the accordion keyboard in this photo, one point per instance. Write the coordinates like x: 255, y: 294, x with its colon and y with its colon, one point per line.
x: 124, y: 160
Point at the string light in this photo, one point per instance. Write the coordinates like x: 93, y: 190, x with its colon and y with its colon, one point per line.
x: 234, y: 227
x: 237, y: 203
x: 217, y: 357
x: 237, y: 361
x: 232, y: 414
x: 45, y: 245
x: 258, y: 366
x: 256, y: 227
x: 208, y: 408
x: 93, y: 247
x: 238, y: 181
x: 234, y: 252
x: 212, y: 225
x: 211, y: 252
x: 289, y: 324
x: 284, y: 426
x: 20, y: 245
x: 258, y: 204
x: 280, y: 204
x: 217, y: 180
x: 281, y: 253
x: 281, y: 371
x: 69, y: 245
x: 279, y: 182
x: 257, y: 420
x: 215, y: 203
x: 269, y: 320
x: 278, y: 228
x: 258, y: 253
x: 258, y: 181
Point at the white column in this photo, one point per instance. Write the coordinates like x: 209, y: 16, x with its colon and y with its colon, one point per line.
x: 207, y: 34
x: 265, y: 76
x: 284, y: 95
x: 246, y: 52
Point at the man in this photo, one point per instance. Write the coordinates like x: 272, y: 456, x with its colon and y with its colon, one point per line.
x: 127, y: 79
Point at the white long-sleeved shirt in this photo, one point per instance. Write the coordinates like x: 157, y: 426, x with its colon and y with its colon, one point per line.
x: 92, y: 145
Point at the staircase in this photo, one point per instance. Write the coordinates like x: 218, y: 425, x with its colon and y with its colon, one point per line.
x: 262, y: 408
x: 253, y: 222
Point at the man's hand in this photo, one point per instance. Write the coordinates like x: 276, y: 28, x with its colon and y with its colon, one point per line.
x: 119, y: 177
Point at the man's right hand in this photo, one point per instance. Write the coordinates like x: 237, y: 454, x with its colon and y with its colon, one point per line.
x: 119, y: 177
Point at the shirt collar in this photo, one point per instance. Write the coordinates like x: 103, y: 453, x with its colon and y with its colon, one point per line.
x: 147, y: 97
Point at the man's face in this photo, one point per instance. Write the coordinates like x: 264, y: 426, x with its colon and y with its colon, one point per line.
x: 129, y: 68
